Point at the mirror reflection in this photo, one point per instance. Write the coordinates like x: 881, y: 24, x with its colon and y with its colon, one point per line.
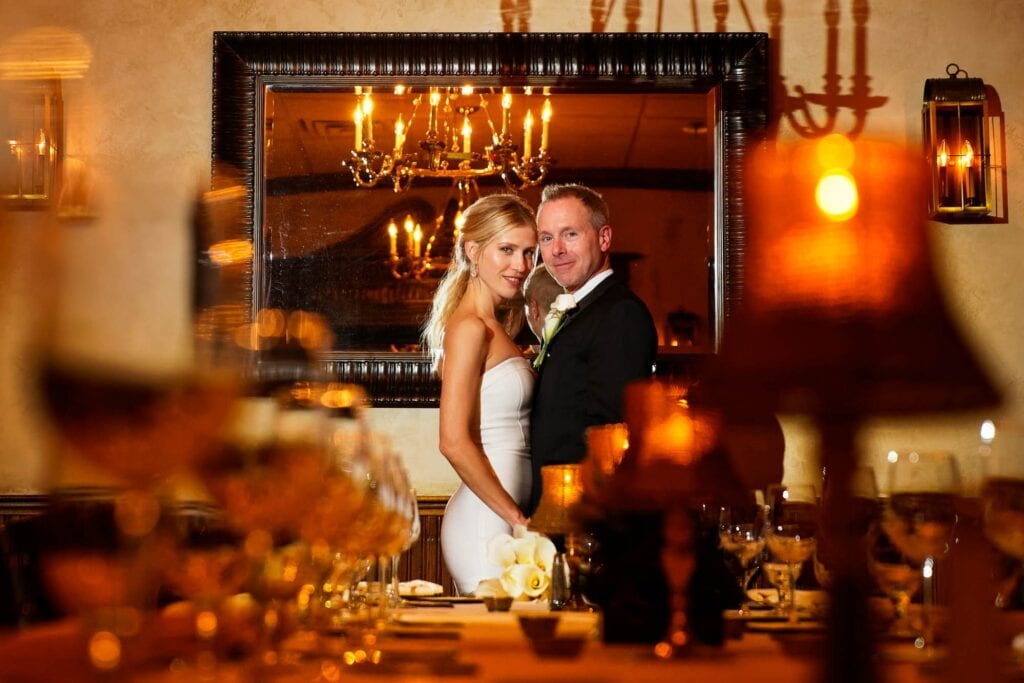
x: 363, y: 187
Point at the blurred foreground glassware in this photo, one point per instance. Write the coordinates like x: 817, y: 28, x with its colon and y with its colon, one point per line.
x: 792, y: 528
x: 137, y: 428
x: 897, y: 575
x: 920, y: 518
x: 1002, y: 494
x: 207, y: 567
x: 741, y: 532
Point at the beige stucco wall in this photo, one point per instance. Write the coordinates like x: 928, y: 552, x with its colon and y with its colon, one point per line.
x: 139, y: 120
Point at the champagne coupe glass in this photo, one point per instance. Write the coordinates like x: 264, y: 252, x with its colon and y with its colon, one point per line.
x: 792, y: 528
x: 920, y: 518
x: 741, y: 532
x: 1002, y: 495
x: 897, y: 575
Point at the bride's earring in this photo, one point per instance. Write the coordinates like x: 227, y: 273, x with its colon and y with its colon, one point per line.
x: 472, y: 269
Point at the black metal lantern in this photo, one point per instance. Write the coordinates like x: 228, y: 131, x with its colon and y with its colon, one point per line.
x: 31, y: 142
x: 962, y: 152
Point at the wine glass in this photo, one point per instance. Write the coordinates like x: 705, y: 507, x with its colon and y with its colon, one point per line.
x: 207, y: 567
x: 1002, y: 494
x: 792, y: 528
x: 897, y: 575
x: 780, y: 575
x: 741, y: 533
x: 920, y: 518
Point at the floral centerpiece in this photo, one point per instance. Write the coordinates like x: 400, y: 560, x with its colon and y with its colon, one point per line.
x: 526, y: 558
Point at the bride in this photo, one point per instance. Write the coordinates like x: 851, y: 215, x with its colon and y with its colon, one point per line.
x: 486, y: 383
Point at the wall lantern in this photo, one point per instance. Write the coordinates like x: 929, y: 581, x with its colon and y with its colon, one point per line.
x: 31, y: 142
x: 963, y: 141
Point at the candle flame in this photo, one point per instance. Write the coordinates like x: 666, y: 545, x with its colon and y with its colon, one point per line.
x: 408, y: 224
x: 367, y: 104
x: 836, y: 195
x: 467, y: 90
x: 506, y: 101
x: 392, y: 229
x: 467, y: 129
x: 528, y: 122
x: 399, y: 89
x: 545, y: 114
x: 943, y: 157
x: 967, y: 155
x: 435, y: 98
x: 399, y: 126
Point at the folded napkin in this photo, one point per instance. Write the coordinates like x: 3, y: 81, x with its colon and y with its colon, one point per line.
x: 419, y: 587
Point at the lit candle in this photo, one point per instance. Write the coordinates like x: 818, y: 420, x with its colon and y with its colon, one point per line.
x: 393, y: 238
x: 506, y: 119
x: 358, y: 119
x: 968, y: 161
x: 368, y: 117
x: 545, y: 118
x: 942, y: 160
x: 399, y: 136
x: 527, y: 134
x: 467, y: 135
x: 435, y: 99
x: 417, y: 237
x: 408, y: 226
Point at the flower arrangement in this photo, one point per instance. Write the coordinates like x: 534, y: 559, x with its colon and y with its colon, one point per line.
x: 562, y: 304
x: 526, y: 558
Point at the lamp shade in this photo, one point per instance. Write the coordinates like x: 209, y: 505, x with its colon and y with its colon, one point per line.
x: 562, y: 487
x: 842, y: 313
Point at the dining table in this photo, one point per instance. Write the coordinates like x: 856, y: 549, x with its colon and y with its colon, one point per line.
x: 457, y: 640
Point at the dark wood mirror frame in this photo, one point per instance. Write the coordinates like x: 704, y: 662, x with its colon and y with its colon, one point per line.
x: 733, y: 64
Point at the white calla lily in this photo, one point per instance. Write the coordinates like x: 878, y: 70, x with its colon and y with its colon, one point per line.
x: 531, y: 578
x: 501, y: 551
x: 544, y: 557
x: 490, y: 588
x: 526, y: 549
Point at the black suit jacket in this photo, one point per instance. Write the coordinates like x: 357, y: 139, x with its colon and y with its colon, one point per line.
x: 608, y: 340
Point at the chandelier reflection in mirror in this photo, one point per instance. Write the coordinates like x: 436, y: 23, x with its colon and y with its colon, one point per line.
x: 445, y: 150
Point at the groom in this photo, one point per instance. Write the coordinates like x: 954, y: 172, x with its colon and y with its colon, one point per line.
x: 602, y: 342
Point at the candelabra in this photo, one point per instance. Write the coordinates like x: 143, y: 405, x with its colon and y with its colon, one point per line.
x: 445, y: 150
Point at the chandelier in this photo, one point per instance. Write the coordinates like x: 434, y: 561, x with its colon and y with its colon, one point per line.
x: 411, y: 249
x: 444, y: 151
x: 445, y: 148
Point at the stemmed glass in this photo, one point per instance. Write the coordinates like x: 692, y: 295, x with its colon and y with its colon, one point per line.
x: 897, y: 575
x: 792, y: 528
x: 920, y: 517
x: 1002, y: 494
x: 741, y: 533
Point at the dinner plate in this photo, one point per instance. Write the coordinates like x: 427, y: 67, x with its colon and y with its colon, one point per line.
x: 452, y: 599
x: 785, y: 626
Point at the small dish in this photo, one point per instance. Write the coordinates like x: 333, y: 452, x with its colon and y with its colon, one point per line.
x: 497, y: 604
x: 538, y: 626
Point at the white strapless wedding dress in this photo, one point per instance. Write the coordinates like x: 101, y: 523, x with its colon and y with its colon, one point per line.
x: 506, y: 392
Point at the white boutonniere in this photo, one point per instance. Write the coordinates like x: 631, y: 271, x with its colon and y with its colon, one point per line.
x: 562, y: 304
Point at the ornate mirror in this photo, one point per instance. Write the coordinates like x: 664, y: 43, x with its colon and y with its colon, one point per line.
x: 354, y: 153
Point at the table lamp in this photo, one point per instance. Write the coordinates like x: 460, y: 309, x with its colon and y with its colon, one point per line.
x: 562, y: 488
x: 841, y: 319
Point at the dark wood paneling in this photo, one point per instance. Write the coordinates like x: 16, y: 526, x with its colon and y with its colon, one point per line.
x: 421, y: 561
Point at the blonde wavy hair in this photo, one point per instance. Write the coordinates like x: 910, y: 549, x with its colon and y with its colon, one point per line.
x: 485, y: 219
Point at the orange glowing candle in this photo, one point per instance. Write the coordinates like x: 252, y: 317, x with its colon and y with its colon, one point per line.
x: 393, y: 239
x: 545, y: 119
x: 467, y: 135
x: 506, y: 119
x: 527, y: 134
x: 358, y: 119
